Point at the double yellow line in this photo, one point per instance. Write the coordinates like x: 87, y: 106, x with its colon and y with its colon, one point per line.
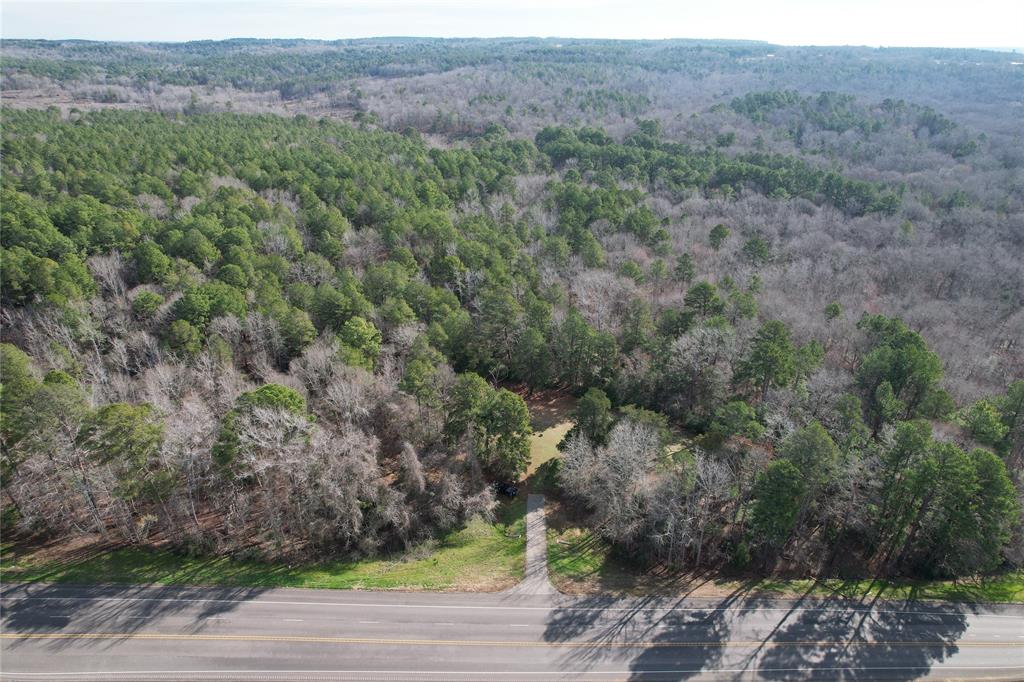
x: 473, y: 642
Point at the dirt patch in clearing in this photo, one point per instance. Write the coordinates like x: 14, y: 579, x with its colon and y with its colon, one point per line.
x: 548, y: 407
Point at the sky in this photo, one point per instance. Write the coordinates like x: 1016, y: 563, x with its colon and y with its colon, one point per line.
x: 890, y: 23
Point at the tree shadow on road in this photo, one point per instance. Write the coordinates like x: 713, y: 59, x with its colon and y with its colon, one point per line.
x: 640, y: 633
x: 902, y: 642
x: 40, y: 609
x: 743, y: 635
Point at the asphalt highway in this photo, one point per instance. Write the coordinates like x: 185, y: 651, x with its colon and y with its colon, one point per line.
x: 55, y: 632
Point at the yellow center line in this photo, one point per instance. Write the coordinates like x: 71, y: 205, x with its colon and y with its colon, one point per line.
x: 492, y: 643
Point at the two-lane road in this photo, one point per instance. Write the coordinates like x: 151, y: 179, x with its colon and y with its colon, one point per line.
x: 162, y: 633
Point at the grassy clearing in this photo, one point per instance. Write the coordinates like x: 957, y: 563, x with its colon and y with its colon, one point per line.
x: 550, y: 416
x: 580, y: 563
x: 481, y: 557
x: 544, y: 445
x: 576, y: 556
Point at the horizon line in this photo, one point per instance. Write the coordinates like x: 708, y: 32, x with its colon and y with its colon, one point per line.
x: 750, y: 41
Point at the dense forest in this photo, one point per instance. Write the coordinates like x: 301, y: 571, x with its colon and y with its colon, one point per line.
x: 290, y: 295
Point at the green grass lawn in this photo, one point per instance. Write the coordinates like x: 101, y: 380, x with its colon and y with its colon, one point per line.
x: 481, y: 557
x: 579, y: 561
x: 543, y: 445
x: 575, y: 555
x: 1006, y: 588
x: 582, y: 563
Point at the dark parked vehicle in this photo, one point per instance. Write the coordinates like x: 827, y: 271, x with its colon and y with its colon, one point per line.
x: 505, y: 488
